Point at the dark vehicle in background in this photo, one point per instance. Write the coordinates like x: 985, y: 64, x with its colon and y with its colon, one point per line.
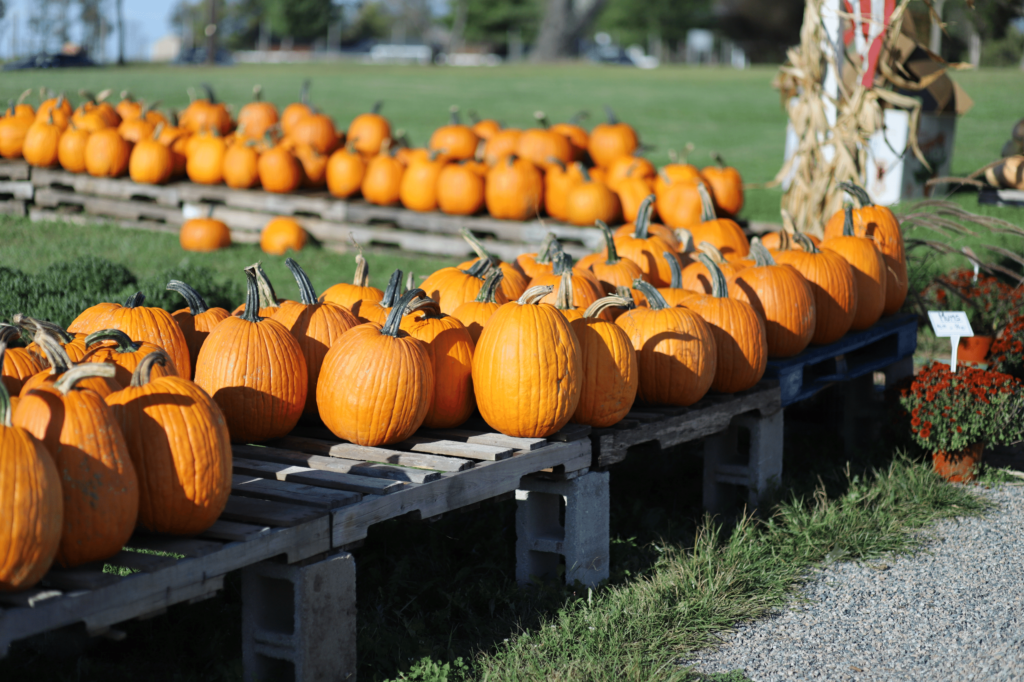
x: 50, y: 61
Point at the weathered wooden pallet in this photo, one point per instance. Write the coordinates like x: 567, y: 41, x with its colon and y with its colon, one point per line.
x: 858, y: 353
x: 17, y: 207
x: 669, y: 426
x: 14, y: 169
x: 37, y: 214
x: 102, y: 206
x: 301, y: 496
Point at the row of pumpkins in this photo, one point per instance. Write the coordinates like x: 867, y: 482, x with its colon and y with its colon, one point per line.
x: 127, y: 417
x: 572, y: 174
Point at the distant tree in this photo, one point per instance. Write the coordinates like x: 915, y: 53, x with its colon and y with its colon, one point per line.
x: 303, y: 20
x: 564, y: 23
x: 94, y: 25
x: 50, y: 22
x: 490, y: 21
x: 635, y: 21
x: 120, y: 32
x: 373, y: 21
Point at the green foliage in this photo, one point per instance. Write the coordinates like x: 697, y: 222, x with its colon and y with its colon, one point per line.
x: 428, y: 670
x: 372, y: 21
x: 634, y: 21
x: 489, y: 22
x: 303, y: 20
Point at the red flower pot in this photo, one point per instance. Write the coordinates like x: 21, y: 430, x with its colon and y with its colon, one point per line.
x: 973, y: 348
x: 958, y: 467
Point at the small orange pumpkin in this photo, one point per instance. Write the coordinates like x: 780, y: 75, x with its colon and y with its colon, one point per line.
x: 611, y: 140
x: 106, y: 154
x: 368, y: 131
x: 345, y: 171
x: 456, y: 141
x: 354, y: 296
x: 280, y: 234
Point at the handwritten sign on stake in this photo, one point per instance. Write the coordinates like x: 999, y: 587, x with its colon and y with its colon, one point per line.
x: 952, y: 324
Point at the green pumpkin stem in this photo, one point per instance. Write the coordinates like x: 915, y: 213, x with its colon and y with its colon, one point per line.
x: 122, y: 342
x: 210, y: 97
x: 541, y: 119
x: 685, y: 239
x: 611, y: 115
x: 602, y: 304
x: 677, y: 270
x: 135, y: 300
x: 625, y: 292
x: 719, y: 287
x: 5, y: 398
x: 377, y: 106
x: 563, y: 262
x: 427, y: 306
x: 454, y: 118
x: 762, y: 257
x: 717, y: 158
x: 533, y: 295
x: 579, y: 117
x: 257, y: 93
x: 544, y: 252
x: 857, y: 192
x: 304, y: 92
x: 32, y: 325
x: 8, y: 334
x: 805, y: 243
x: 643, y: 218
x: 490, y: 286
x: 195, y: 302
x: 480, y: 268
x: 848, y: 222
x: 564, y: 297
x: 391, y: 325
x: 655, y: 301
x: 268, y: 297
x: 609, y: 243
x: 307, y: 294
x: 558, y: 162
x: 68, y: 379
x: 393, y: 291
x: 707, y: 204
x: 583, y: 172
x: 477, y: 246
x: 252, y: 297
x: 142, y: 374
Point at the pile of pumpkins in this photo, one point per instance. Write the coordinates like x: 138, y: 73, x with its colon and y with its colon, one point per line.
x: 127, y: 417
x: 569, y: 173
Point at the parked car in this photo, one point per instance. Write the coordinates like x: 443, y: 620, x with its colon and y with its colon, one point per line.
x: 50, y: 61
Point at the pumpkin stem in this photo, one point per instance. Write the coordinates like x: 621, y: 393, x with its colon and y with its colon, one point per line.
x: 761, y: 256
x: 583, y: 171
x: 377, y: 106
x: 626, y: 293
x: 362, y: 278
x: 609, y: 242
x: 558, y: 162
x: 785, y: 241
x: 477, y: 246
x: 257, y: 93
x: 252, y: 296
x: 135, y: 300
x: 707, y: 205
x: 428, y: 306
x: 31, y: 324
x: 479, y: 269
x: 454, y: 118
x: 209, y: 93
x: 717, y: 158
x: 611, y: 115
x: 268, y: 297
x: 141, y: 375
x: 685, y: 238
x: 564, y: 297
x: 848, y: 222
x: 393, y: 290
x: 490, y: 286
x: 643, y: 217
x: 55, y: 354
x: 719, y: 288
x: 306, y: 292
x: 541, y: 118
x: 711, y: 251
x: 655, y: 301
x: 510, y: 159
x: 677, y: 271
x: 122, y: 342
x: 391, y: 325
x: 85, y: 370
x: 788, y: 224
x: 548, y: 248
x: 196, y: 303
x: 602, y: 304
x: 562, y: 262
x: 533, y: 295
x: 474, y: 117
x: 579, y: 117
x: 805, y: 243
x: 304, y: 92
x: 857, y: 192
x: 22, y: 97
x: 5, y: 398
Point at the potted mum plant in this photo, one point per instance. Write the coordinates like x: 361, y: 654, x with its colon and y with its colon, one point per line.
x: 1007, y: 355
x: 988, y: 302
x: 954, y: 416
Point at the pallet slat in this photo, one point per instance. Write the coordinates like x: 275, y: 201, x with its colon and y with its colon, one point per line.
x: 190, y: 547
x: 316, y: 477
x: 276, y: 514
x: 337, y: 465
x: 292, y: 493
x: 232, y: 531
x: 455, y: 448
x: 146, y: 563
x: 379, y: 454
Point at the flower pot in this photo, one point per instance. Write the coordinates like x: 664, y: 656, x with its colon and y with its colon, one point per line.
x: 958, y: 467
x: 973, y: 348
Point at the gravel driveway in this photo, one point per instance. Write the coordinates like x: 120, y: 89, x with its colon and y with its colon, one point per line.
x: 954, y: 611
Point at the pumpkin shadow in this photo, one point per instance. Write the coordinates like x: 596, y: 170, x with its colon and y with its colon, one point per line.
x: 254, y: 416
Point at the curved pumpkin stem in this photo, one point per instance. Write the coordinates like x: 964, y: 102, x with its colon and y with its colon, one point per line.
x: 480, y: 268
x: 391, y: 325
x: 8, y: 334
x: 362, y: 277
x: 643, y: 217
x: 677, y: 270
x: 304, y: 92
x: 602, y: 304
x: 558, y: 162
x: 564, y: 298
x: 788, y: 224
x: 135, y: 300
x: 252, y: 297
x: 32, y: 325
x: 685, y: 238
x: 579, y: 117
x: 5, y: 398
x: 141, y: 375
x: 54, y: 352
x: 307, y: 295
x: 477, y: 246
x: 707, y: 205
x: 85, y: 370
x: 611, y: 115
x: 393, y: 291
x: 848, y: 222
x: 257, y: 93
x: 453, y: 118
x: 533, y: 295
x: 583, y: 172
x: 719, y: 287
x: 196, y: 303
x: 428, y: 306
x: 267, y: 295
x: 210, y: 97
x: 122, y: 342
x: 544, y: 252
x: 542, y: 119
x: 717, y: 158
x: 490, y: 286
x: 655, y: 301
x: 761, y: 256
x: 377, y: 106
x: 857, y: 192
x: 711, y: 251
x: 609, y: 243
x: 805, y: 243
x: 563, y: 262
x: 625, y: 292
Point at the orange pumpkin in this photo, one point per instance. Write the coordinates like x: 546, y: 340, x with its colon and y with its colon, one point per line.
x: 832, y: 281
x: 613, y: 270
x: 281, y: 234
x: 314, y: 166
x: 611, y: 140
x: 474, y: 314
x: 197, y: 320
x: 119, y: 350
x: 205, y: 159
x: 345, y: 171
x: 611, y: 375
x: 577, y: 135
x: 368, y: 131
x: 869, y: 272
x: 41, y: 143
x: 354, y: 296
x: 296, y: 111
x: 241, y: 166
x: 279, y: 171
x: 418, y: 189
x: 501, y: 145
x: 513, y: 284
x: 514, y: 189
x: 154, y: 325
x: 591, y: 201
x: 451, y: 287
x: 16, y: 364
x: 726, y: 185
x: 646, y: 249
x: 316, y: 130
x: 382, y: 182
x: 71, y: 149
x: 626, y: 167
x: 696, y: 276
x: 47, y: 341
x: 106, y: 154
x: 485, y: 128
x: 460, y: 190
x: 204, y: 234
x: 679, y: 203
x: 257, y: 116
x: 573, y: 289
x: 455, y: 140
x: 150, y: 162
x: 559, y: 181
x: 543, y: 147
x: 723, y: 233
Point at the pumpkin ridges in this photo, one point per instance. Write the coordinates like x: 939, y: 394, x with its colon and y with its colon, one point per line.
x: 197, y: 320
x: 475, y: 314
x: 832, y: 281
x: 610, y: 374
x: 154, y: 325
x: 869, y: 272
x: 451, y: 287
x: 645, y: 249
x: 122, y: 352
x: 16, y: 364
x: 724, y: 233
x: 359, y: 293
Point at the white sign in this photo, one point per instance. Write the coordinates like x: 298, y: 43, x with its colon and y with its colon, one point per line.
x: 953, y: 324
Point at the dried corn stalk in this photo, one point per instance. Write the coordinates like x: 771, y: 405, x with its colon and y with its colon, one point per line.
x: 828, y: 154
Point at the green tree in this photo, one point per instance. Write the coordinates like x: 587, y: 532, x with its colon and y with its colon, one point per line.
x: 489, y: 21
x: 635, y: 21
x: 303, y: 20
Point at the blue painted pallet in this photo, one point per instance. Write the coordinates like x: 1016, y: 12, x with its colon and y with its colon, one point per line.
x: 856, y: 354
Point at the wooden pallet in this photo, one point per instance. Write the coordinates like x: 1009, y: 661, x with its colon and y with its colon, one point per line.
x: 669, y: 426
x: 14, y: 169
x: 298, y: 497
x: 889, y: 341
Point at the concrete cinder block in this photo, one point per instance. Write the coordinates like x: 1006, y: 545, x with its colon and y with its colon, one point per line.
x: 299, y: 622
x: 542, y: 538
x: 725, y: 468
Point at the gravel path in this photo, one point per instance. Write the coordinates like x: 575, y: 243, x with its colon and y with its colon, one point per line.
x: 954, y: 611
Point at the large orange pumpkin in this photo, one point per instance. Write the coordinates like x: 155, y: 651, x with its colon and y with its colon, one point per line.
x: 869, y: 272
x: 71, y: 149
x: 119, y: 350
x: 513, y: 284
x: 197, y: 320
x: 723, y: 233
x: 377, y: 383
x: 254, y: 368
x: 451, y: 287
x: 625, y: 167
x: 514, y: 189
x: 418, y: 189
x: 204, y: 234
x: 474, y: 314
x: 281, y: 234
x: 345, y: 171
x: 591, y: 201
x: 501, y: 144
x: 543, y: 147
x: 316, y: 130
x: 296, y: 111
x: 205, y: 161
x: 382, y: 182
x: 48, y: 341
x: 782, y: 297
x: 696, y: 276
x: 579, y: 284
x: 577, y: 135
x: 150, y: 162
x: 180, y: 447
x: 241, y: 165
x: 611, y: 375
x: 42, y: 140
x: 613, y: 270
x: 154, y: 325
x: 460, y: 190
x: 16, y: 364
x: 256, y: 117
x: 832, y: 280
x: 100, y: 488
x: 726, y: 185
x: 559, y: 180
x: 527, y: 369
x: 533, y: 264
x: 106, y: 154
x: 279, y: 170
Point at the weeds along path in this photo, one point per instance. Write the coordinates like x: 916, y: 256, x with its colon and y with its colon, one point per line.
x: 952, y: 611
